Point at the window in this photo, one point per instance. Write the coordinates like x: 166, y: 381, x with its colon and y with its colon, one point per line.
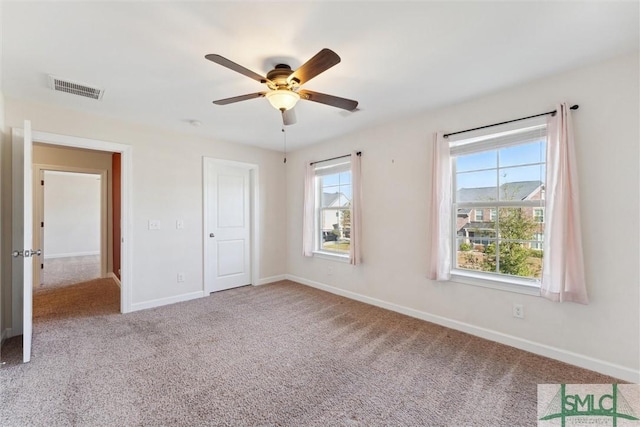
x: 502, y: 173
x: 538, y: 215
x: 333, y: 207
x: 537, y: 245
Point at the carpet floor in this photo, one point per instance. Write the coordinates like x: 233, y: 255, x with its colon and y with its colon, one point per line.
x: 276, y: 355
x: 66, y: 271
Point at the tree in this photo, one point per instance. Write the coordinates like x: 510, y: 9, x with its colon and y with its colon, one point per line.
x: 513, y: 224
x: 346, y: 217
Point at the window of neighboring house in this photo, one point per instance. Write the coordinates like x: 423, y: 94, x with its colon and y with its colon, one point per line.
x: 539, y: 237
x: 538, y: 214
x: 504, y: 173
x: 333, y: 207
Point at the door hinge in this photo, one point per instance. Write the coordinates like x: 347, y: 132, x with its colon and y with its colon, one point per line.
x: 41, y: 266
x: 42, y: 224
x: 42, y: 182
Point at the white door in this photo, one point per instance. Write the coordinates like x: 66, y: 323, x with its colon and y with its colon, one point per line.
x: 22, y: 234
x: 227, y: 226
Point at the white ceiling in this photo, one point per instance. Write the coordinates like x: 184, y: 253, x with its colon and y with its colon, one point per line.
x: 398, y: 58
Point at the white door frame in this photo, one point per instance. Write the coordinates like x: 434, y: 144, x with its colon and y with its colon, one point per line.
x: 254, y: 186
x: 126, y: 256
x: 38, y: 213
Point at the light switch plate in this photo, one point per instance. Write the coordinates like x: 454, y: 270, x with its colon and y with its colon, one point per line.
x: 180, y: 224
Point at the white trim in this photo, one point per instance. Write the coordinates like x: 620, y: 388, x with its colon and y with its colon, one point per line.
x: 496, y: 281
x: 72, y: 254
x: 254, y: 171
x: 115, y: 279
x: 165, y: 301
x: 580, y: 360
x: 126, y: 152
x: 271, y: 279
x: 331, y: 256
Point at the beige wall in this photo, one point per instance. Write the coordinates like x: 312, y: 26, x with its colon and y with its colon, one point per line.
x: 396, y: 179
x: 166, y: 184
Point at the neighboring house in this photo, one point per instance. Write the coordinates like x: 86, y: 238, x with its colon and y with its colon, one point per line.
x: 332, y: 223
x: 478, y: 225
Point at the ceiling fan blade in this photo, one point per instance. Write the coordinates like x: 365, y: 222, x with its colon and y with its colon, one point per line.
x: 221, y: 60
x: 239, y: 98
x: 323, y: 98
x: 322, y: 61
x: 289, y: 117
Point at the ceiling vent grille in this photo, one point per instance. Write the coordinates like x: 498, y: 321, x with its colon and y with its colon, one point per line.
x: 75, y: 88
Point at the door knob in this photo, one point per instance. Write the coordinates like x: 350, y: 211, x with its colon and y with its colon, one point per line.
x: 212, y: 235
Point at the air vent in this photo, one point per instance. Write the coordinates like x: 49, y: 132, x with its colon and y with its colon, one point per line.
x: 75, y: 88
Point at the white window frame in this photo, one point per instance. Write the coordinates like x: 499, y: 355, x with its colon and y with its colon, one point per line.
x: 475, y: 214
x: 327, y: 168
x: 489, y: 139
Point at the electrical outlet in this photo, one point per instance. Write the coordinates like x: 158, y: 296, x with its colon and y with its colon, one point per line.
x: 329, y: 270
x: 518, y: 311
x: 180, y: 277
x: 154, y: 224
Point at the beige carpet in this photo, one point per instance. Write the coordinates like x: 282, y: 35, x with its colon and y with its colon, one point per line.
x: 66, y: 271
x: 279, y: 354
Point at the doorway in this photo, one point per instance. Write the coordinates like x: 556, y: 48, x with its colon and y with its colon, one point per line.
x: 22, y: 222
x: 71, y: 223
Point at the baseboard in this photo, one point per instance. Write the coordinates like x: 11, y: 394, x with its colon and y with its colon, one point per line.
x: 582, y: 361
x: 115, y: 279
x: 271, y: 279
x: 165, y: 301
x: 71, y: 254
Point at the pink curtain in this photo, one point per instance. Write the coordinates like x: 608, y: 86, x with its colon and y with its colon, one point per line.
x: 356, y: 210
x: 440, y: 224
x: 308, y: 210
x: 563, y: 268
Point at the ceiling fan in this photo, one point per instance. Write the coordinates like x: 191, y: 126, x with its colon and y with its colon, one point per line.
x: 284, y: 84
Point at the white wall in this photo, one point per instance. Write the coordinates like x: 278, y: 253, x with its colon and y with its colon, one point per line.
x: 603, y: 335
x: 71, y: 214
x: 3, y: 284
x: 167, y: 185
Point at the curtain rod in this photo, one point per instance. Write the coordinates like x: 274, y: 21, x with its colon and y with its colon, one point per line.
x: 334, y: 158
x: 446, y: 135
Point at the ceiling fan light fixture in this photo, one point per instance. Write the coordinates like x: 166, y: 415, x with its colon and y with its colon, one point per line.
x: 283, y: 99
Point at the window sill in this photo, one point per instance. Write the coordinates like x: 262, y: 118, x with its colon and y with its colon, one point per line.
x: 331, y: 256
x: 509, y: 284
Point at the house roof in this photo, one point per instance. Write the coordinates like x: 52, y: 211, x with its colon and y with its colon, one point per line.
x: 330, y: 199
x: 509, y: 191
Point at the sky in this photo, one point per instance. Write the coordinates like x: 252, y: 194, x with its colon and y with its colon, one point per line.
x: 480, y: 169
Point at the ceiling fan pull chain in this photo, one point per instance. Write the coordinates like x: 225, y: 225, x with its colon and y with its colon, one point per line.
x: 284, y: 136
